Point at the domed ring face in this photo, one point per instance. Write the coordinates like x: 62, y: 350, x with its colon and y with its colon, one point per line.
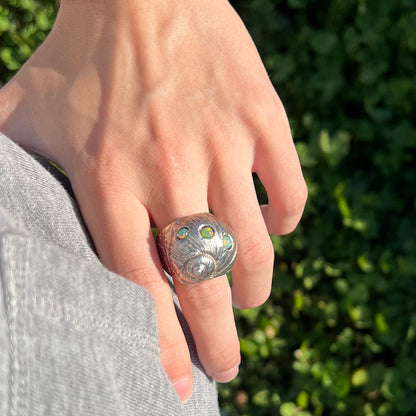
x: 197, y: 248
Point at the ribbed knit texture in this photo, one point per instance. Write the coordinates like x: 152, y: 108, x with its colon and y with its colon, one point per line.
x: 75, y: 339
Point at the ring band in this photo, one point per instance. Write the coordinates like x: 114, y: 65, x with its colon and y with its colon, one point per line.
x: 196, y: 248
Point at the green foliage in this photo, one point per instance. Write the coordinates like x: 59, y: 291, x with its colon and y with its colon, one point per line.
x: 24, y: 24
x: 338, y: 335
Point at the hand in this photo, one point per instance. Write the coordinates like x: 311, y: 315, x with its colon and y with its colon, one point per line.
x: 157, y: 110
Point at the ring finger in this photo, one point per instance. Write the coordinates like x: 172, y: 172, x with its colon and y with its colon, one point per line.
x: 235, y: 202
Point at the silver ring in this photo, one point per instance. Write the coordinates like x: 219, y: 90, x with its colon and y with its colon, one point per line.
x: 196, y: 248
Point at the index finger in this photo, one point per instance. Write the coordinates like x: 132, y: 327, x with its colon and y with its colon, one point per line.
x: 120, y: 228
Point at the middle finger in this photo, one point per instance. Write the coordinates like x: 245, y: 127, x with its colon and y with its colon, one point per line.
x: 207, y: 306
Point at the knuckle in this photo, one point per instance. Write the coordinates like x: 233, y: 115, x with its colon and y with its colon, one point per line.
x: 257, y: 96
x: 172, y: 168
x: 139, y: 273
x: 262, y: 96
x: 174, y: 353
x: 266, y: 109
x: 102, y: 173
x: 207, y: 295
x: 258, y: 253
x: 295, y: 202
x: 253, y: 300
x: 222, y: 357
x: 143, y: 274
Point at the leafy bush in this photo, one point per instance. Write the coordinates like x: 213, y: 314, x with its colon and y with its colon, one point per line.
x: 338, y: 335
x: 24, y: 24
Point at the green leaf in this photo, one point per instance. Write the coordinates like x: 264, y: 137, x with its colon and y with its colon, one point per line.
x: 288, y: 409
x: 4, y: 24
x: 381, y: 324
x: 359, y: 377
x: 302, y: 400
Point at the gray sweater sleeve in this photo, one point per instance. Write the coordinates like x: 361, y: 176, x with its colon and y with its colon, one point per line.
x: 75, y: 339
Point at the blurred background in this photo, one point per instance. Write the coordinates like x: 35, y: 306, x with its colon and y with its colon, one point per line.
x: 338, y: 335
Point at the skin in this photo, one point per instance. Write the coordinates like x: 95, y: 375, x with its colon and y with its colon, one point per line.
x: 157, y: 110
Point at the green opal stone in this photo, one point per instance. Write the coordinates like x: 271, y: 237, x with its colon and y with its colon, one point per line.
x: 182, y: 233
x: 227, y: 242
x: 207, y: 232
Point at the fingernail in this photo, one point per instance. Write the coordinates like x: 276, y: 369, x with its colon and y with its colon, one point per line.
x: 226, y: 376
x: 183, y: 388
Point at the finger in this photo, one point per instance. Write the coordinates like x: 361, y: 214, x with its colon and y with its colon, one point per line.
x: 233, y: 198
x: 278, y: 167
x: 120, y: 228
x: 207, y: 305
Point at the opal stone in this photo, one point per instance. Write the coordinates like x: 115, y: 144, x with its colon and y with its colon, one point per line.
x: 207, y: 232
x: 227, y: 242
x: 182, y: 233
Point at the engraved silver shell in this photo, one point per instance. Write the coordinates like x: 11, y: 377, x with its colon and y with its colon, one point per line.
x: 197, y: 248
